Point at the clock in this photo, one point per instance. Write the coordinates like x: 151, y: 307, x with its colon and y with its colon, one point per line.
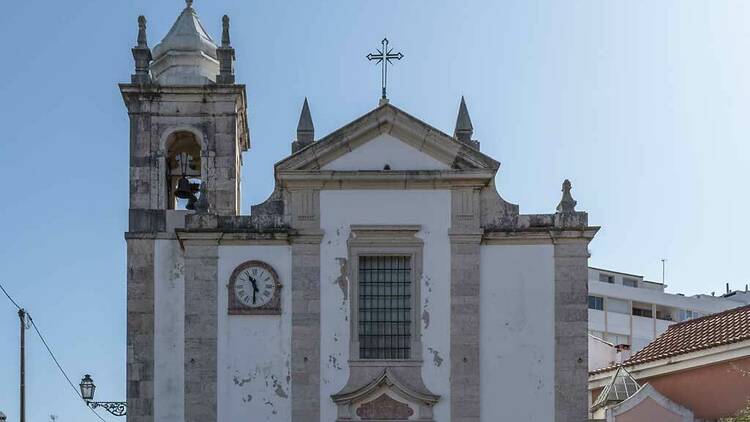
x: 254, y: 289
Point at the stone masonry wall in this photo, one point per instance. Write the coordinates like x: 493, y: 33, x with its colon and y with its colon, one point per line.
x: 201, y: 306
x: 140, y: 330
x: 571, y: 330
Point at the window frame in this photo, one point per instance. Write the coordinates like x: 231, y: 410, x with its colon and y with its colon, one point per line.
x: 386, y: 240
x: 596, y: 298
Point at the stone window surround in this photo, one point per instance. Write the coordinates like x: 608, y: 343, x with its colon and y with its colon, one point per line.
x: 385, y: 240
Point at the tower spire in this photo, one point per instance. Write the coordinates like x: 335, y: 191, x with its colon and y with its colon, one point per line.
x: 305, y: 129
x: 464, y: 129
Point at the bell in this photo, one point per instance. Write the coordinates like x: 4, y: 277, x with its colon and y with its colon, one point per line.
x: 184, y: 189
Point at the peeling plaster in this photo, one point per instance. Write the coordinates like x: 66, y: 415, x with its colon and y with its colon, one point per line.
x: 436, y: 358
x: 426, y: 318
x: 342, y: 280
x: 425, y: 309
x: 334, y: 363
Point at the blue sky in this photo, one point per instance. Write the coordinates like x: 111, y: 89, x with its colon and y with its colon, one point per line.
x: 643, y: 105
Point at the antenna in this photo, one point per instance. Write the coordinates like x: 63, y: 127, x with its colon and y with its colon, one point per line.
x: 663, y: 270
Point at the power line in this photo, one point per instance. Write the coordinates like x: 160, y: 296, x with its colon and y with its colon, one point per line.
x: 52, y: 355
x: 9, y: 298
x: 49, y: 350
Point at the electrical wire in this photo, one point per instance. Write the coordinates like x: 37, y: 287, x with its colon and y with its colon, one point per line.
x: 51, y: 354
x: 9, y: 298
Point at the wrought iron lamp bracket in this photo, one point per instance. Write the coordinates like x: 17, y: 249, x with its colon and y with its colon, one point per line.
x: 117, y: 408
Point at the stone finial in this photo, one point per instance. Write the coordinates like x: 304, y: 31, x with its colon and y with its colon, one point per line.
x: 142, y: 55
x: 188, y: 4
x: 142, y: 41
x: 202, y: 206
x: 226, y: 55
x: 305, y: 129
x: 464, y: 128
x: 567, y: 203
x: 225, y: 41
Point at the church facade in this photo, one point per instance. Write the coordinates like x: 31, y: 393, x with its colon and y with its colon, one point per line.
x: 384, y: 278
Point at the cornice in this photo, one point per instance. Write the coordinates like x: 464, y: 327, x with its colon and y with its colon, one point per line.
x: 423, y: 179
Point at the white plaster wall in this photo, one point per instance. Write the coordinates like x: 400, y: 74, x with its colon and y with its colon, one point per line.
x: 169, y: 331
x: 596, y: 320
x: 254, y: 350
x: 341, y: 209
x: 618, y: 323
x: 601, y: 353
x: 385, y: 149
x: 517, y: 350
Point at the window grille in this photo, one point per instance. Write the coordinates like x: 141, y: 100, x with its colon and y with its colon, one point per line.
x: 385, y: 307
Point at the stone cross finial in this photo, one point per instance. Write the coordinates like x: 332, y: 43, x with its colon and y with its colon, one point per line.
x: 567, y: 203
x: 142, y: 42
x: 225, y: 41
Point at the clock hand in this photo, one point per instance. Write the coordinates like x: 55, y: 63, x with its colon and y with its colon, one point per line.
x: 255, y: 286
x: 254, y: 283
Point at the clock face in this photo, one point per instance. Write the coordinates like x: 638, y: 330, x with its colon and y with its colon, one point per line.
x: 255, y: 286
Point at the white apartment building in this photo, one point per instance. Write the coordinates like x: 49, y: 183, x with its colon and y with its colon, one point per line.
x: 626, y: 309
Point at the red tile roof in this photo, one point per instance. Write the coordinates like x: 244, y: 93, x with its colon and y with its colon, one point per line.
x: 726, y: 327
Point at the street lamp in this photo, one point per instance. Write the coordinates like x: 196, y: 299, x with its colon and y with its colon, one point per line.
x: 117, y: 408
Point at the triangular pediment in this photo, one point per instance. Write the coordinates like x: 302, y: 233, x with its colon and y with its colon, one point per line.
x: 387, y: 138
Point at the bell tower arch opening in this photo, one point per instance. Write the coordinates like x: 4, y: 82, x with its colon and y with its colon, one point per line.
x: 184, y: 170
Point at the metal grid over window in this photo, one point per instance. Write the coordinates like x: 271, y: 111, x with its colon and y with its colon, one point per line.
x: 384, y: 307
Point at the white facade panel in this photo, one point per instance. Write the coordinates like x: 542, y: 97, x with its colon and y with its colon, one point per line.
x: 618, y: 323
x: 169, y: 331
x: 596, y: 320
x: 254, y: 350
x: 517, y: 345
x: 341, y: 209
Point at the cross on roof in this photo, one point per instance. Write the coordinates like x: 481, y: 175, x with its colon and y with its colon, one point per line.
x: 384, y: 58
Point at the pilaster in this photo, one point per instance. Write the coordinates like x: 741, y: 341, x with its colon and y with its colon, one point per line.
x: 465, y: 238
x: 305, y: 356
x: 571, y: 325
x: 140, y: 330
x: 201, y: 323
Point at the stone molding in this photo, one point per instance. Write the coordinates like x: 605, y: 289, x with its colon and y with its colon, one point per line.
x: 370, y: 386
x: 385, y: 240
x: 388, y: 119
x: 386, y: 179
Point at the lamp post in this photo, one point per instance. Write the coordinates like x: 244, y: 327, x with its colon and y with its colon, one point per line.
x: 117, y: 408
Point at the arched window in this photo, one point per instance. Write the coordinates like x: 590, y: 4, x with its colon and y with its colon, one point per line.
x: 183, y: 170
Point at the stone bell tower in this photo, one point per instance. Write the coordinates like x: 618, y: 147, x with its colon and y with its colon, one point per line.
x: 188, y: 120
x: 188, y: 129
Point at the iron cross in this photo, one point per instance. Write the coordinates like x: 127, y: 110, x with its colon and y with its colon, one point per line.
x: 384, y: 58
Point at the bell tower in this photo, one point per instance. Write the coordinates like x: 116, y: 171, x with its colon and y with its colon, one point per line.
x: 188, y: 124
x: 188, y: 130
